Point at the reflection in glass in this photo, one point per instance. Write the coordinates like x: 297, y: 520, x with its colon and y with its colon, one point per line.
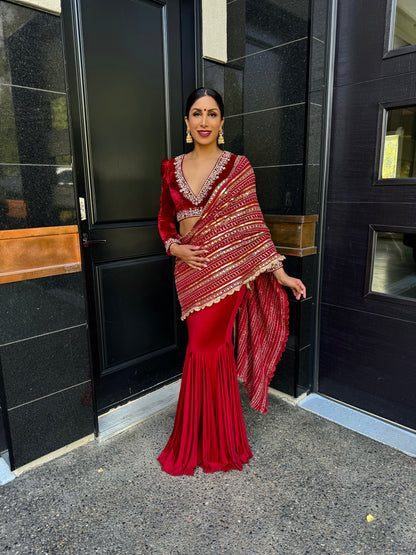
x: 394, y: 264
x: 404, y: 24
x: 399, y: 160
x: 23, y: 203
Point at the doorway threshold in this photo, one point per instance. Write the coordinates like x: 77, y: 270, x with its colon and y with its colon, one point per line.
x: 362, y: 423
x: 119, y: 419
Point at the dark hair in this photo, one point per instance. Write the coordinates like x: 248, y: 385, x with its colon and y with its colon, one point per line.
x: 199, y: 93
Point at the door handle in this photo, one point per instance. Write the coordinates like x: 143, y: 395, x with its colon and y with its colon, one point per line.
x: 87, y: 242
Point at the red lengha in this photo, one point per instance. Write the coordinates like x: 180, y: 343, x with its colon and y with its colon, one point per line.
x: 209, y: 429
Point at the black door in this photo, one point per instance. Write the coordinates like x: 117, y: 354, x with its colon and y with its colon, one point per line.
x: 368, y: 318
x: 125, y: 69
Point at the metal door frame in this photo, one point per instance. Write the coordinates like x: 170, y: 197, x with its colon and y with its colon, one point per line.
x: 326, y: 152
x: 190, y: 14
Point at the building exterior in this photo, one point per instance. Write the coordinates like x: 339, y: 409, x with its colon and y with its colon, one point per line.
x: 91, y: 97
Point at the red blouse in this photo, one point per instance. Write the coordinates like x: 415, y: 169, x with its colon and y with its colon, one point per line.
x: 177, y: 201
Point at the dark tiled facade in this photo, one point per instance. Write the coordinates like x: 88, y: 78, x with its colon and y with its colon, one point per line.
x: 273, y: 87
x: 35, y: 154
x: 273, y: 90
x: 46, y: 394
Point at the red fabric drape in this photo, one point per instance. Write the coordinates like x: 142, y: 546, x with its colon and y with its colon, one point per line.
x: 241, y: 253
x: 209, y: 428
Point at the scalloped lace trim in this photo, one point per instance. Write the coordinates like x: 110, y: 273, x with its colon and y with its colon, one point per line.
x: 269, y: 268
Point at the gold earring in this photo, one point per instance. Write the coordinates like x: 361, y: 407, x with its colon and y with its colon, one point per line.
x: 221, y: 137
x: 189, y: 138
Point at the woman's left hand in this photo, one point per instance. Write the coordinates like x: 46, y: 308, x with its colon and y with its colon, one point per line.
x: 296, y: 285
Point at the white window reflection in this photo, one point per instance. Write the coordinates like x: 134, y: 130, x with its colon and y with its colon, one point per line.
x: 394, y: 264
x: 399, y: 148
x: 404, y: 19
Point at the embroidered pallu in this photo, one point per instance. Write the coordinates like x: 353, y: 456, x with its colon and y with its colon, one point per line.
x: 241, y: 254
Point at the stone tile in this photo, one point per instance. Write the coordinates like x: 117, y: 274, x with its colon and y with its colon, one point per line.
x: 276, y: 77
x: 284, y: 377
x: 214, y: 76
x: 315, y: 123
x: 307, y: 269
x: 39, y: 306
x: 31, y: 49
x: 306, y: 321
x: 3, y: 441
x: 304, y: 376
x: 319, y: 19
x: 317, y: 97
x: 234, y: 86
x: 312, y: 190
x: 35, y: 127
x: 234, y: 134
x: 50, y: 423
x: 43, y: 365
x: 236, y: 25
x: 275, y: 137
x: 317, y: 65
x: 254, y: 26
x: 279, y: 190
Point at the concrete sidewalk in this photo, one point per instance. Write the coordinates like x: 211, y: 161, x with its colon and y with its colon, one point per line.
x: 308, y: 490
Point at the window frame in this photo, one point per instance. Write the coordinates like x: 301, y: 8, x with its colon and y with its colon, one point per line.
x: 384, y: 107
x: 389, y: 51
x: 372, y: 235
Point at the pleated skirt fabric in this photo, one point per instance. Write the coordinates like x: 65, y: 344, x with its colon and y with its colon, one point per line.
x: 209, y: 429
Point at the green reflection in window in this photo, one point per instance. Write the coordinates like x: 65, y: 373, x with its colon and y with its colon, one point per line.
x: 400, y: 144
x: 394, y: 264
x: 59, y: 113
x: 404, y: 24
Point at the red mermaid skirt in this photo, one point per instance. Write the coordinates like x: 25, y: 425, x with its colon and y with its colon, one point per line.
x: 209, y: 429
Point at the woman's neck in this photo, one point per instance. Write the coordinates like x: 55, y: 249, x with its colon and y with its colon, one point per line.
x: 205, y: 152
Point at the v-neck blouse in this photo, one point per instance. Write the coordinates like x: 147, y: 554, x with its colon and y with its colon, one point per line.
x: 178, y: 201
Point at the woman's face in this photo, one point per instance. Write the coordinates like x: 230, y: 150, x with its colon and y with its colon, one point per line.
x: 204, y: 120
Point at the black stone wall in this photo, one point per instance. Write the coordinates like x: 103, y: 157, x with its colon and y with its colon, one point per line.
x: 273, y: 86
x: 46, y: 398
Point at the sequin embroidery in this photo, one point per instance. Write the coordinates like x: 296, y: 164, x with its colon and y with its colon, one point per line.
x: 184, y: 187
x: 189, y: 213
x: 170, y: 242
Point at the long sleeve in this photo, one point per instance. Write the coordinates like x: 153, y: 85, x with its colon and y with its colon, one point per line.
x: 166, y: 219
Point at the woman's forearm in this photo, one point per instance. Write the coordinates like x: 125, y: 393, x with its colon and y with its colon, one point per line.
x: 280, y: 275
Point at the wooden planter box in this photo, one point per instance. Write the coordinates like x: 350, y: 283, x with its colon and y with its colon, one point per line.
x: 38, y: 252
x: 293, y: 235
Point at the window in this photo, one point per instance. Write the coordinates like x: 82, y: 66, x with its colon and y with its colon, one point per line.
x: 399, y: 148
x: 403, y: 24
x: 394, y: 263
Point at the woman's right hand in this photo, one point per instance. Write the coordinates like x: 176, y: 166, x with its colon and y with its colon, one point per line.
x: 191, y: 255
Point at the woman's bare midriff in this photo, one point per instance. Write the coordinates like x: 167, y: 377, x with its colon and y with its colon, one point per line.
x: 187, y: 224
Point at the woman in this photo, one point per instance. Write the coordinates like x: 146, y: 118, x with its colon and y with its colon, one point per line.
x: 225, y: 263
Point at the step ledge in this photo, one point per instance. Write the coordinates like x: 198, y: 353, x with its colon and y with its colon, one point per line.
x: 54, y: 455
x: 362, y: 423
x: 121, y: 418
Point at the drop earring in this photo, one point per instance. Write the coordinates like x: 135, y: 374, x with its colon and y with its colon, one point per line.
x: 189, y: 138
x: 221, y: 137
